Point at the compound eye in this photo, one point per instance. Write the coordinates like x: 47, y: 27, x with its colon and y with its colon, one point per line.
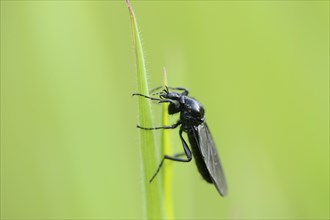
x: 173, y: 108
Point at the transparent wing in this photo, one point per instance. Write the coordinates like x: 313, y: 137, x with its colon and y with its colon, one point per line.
x: 211, y: 158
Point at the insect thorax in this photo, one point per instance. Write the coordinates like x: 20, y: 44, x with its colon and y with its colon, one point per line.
x: 192, y: 112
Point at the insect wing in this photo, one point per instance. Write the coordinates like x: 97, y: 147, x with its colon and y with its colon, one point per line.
x: 211, y: 158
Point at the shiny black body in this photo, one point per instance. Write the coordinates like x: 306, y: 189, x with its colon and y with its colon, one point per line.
x: 192, y: 115
x: 198, y: 156
x: 192, y: 122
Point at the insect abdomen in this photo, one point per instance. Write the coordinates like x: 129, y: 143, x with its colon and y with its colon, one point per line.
x: 198, y: 157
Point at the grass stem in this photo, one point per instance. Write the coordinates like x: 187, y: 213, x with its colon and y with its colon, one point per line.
x: 153, y: 203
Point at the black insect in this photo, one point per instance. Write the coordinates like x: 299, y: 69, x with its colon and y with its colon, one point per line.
x: 193, y: 123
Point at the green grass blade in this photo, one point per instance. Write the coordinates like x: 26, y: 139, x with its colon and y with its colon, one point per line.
x: 167, y: 166
x: 153, y: 203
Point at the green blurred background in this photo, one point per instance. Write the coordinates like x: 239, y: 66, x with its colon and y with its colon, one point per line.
x: 69, y: 146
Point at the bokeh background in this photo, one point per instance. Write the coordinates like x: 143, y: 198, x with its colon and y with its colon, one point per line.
x: 69, y: 146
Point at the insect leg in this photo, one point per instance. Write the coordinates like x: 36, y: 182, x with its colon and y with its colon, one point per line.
x: 176, y: 157
x: 148, y: 97
x: 167, y: 100
x: 152, y: 98
x: 185, y: 91
x: 162, y: 127
x: 180, y: 154
x: 155, y: 89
